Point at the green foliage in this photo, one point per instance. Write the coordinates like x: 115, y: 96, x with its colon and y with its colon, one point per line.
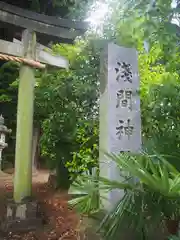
x: 75, y: 8
x: 65, y: 109
x: 87, y: 157
x: 160, y: 22
x: 161, y: 119
x: 66, y: 103
x: 151, y: 195
x: 159, y: 103
x: 89, y: 201
x: 8, y: 104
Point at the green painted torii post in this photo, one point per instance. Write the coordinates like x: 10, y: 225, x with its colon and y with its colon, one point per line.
x: 43, y: 26
x: 23, y: 165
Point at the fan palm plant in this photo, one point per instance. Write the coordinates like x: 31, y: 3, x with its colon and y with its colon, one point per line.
x: 150, y: 197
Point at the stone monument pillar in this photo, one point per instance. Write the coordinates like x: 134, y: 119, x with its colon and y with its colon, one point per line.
x: 120, y: 122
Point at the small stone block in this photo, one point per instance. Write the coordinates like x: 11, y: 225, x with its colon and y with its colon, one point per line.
x: 9, y: 212
x: 21, y: 211
x: 21, y: 217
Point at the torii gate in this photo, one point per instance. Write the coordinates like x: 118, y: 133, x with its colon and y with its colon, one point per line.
x: 45, y: 29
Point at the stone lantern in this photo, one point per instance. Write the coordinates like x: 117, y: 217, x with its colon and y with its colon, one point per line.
x: 3, y: 131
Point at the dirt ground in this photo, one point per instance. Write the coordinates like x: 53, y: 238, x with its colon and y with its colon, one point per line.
x: 62, y: 223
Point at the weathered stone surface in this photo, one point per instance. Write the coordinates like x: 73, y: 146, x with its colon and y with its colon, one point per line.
x: 21, y: 217
x: 120, y: 121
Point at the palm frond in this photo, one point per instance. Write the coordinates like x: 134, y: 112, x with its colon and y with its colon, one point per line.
x: 145, y: 201
x: 159, y: 176
x: 89, y: 201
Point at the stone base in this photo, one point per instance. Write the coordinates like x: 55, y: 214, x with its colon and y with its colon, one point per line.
x: 21, y: 217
